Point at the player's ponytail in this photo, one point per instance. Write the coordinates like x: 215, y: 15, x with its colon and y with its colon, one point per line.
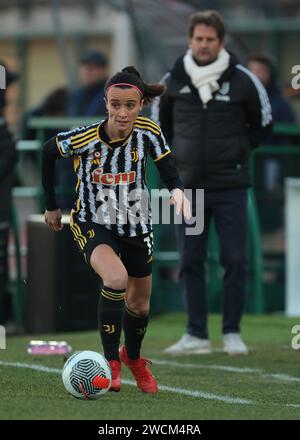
x: 131, y: 77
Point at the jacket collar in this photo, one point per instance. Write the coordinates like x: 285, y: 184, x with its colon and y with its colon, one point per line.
x: 178, y: 72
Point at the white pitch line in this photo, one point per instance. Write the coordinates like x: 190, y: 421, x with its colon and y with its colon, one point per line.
x: 230, y: 369
x: 205, y: 395
x: 31, y: 367
x: 283, y: 377
x: 207, y: 366
x: 190, y: 393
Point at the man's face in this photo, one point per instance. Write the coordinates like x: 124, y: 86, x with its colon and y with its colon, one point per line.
x: 205, y: 44
x: 260, y: 70
x: 90, y: 74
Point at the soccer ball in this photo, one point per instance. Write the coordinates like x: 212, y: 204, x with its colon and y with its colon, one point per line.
x: 86, y: 375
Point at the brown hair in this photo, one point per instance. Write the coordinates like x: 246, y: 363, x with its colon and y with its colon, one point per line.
x: 262, y: 59
x: 209, y: 18
x: 130, y: 76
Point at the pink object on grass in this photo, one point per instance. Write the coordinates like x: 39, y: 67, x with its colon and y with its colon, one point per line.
x: 49, y: 347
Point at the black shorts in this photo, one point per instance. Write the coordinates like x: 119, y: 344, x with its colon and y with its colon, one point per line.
x: 135, y: 252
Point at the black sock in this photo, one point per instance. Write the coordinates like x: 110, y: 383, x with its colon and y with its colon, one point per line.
x: 134, y: 329
x: 110, y: 315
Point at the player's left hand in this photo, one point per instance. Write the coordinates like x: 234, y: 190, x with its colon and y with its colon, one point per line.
x: 182, y: 204
x: 53, y: 220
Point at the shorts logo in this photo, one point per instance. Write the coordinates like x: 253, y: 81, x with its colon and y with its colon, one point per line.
x: 91, y: 233
x: 110, y: 329
x: 134, y: 155
x: 112, y: 179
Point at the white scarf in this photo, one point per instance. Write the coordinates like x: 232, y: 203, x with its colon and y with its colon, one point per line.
x: 204, y: 78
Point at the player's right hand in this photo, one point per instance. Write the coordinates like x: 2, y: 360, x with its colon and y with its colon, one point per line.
x: 53, y: 220
x: 181, y: 202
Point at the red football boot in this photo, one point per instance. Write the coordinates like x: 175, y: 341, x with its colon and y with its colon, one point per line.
x: 141, y: 372
x: 115, y: 367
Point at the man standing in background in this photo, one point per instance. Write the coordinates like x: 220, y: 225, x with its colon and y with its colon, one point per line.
x: 213, y: 113
x: 88, y: 99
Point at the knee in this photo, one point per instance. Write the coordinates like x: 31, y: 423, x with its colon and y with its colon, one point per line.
x: 117, y: 281
x: 233, y: 259
x: 138, y: 307
x: 192, y: 263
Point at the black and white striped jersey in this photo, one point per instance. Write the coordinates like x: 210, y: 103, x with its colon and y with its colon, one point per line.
x: 111, y: 175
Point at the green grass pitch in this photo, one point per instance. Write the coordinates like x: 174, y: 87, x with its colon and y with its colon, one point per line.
x: 263, y: 385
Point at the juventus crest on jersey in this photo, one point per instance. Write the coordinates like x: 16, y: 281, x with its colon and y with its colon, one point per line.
x: 111, y: 184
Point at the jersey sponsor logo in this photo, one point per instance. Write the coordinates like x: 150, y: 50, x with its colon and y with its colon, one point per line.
x: 113, y: 179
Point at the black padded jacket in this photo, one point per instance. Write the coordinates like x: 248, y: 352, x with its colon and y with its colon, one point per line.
x: 211, y: 143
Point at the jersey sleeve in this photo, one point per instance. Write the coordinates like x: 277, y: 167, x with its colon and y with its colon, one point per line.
x: 158, y: 146
x: 49, y: 156
x: 77, y: 141
x: 164, y: 160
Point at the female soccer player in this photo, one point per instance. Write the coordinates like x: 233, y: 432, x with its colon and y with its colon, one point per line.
x: 111, y: 222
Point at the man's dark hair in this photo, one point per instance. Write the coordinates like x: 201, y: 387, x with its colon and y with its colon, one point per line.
x: 94, y: 57
x: 209, y: 18
x: 262, y: 59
